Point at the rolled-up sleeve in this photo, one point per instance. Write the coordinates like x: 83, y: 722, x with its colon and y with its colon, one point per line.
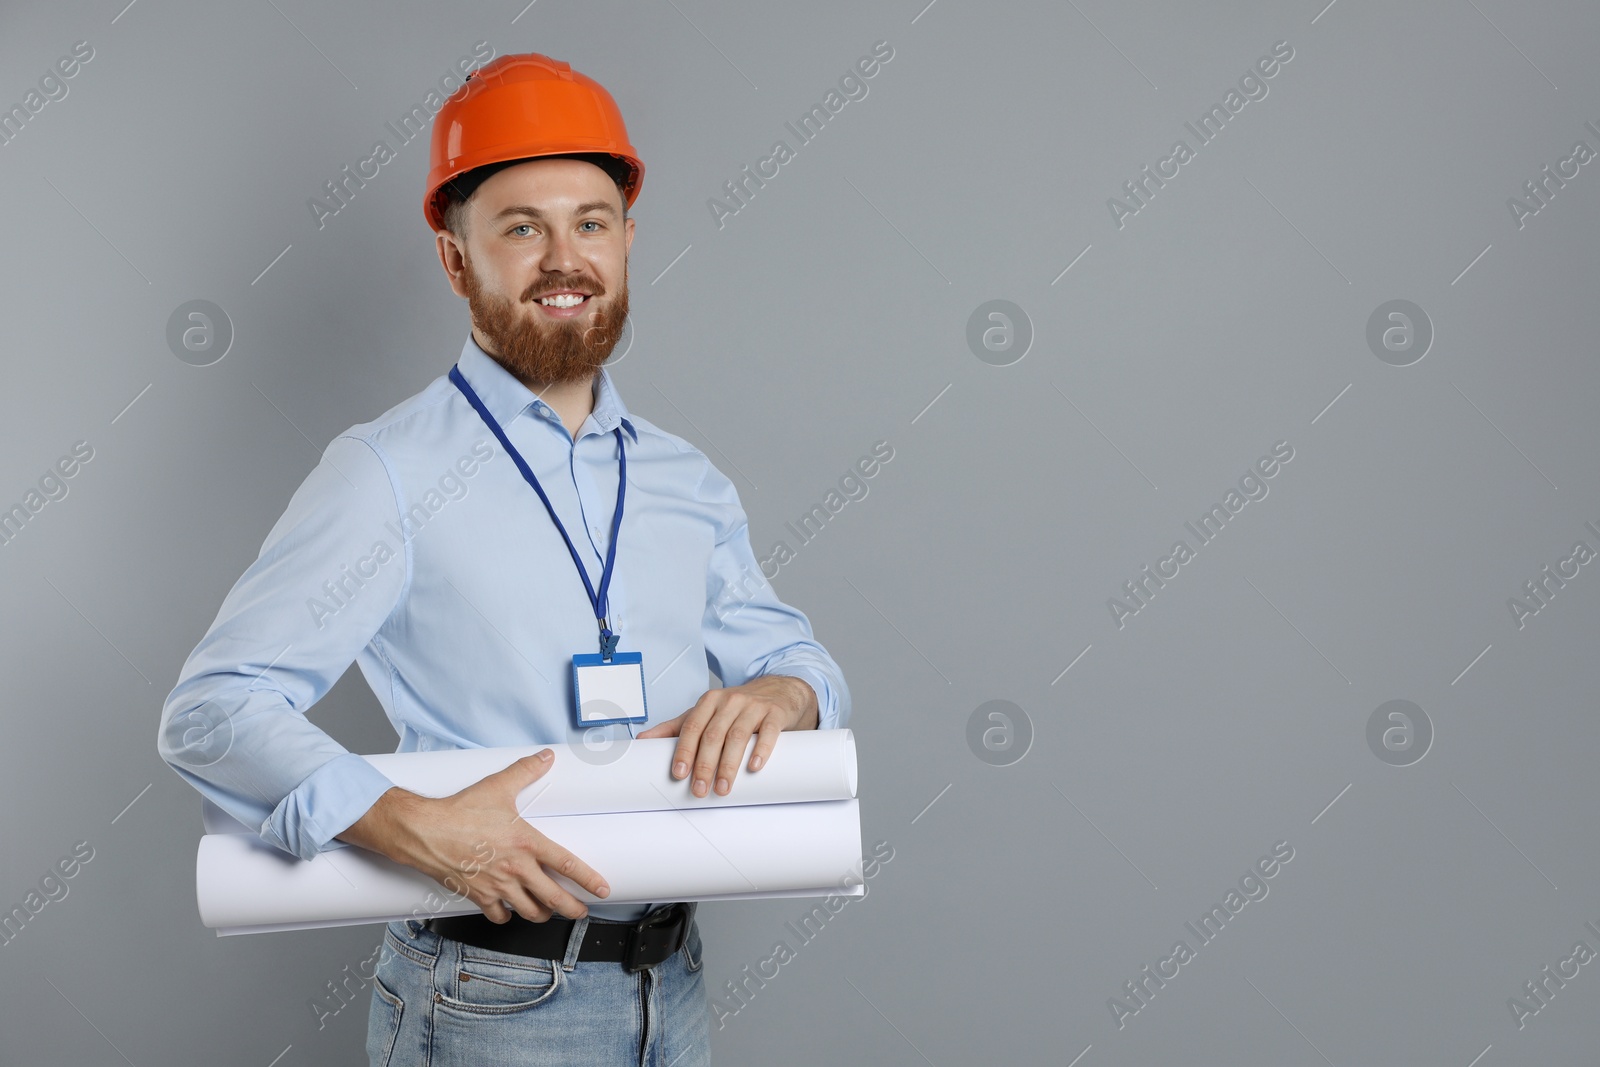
x: 329, y: 574
x: 748, y: 631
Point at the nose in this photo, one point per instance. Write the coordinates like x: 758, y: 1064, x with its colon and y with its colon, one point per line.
x: 560, y: 255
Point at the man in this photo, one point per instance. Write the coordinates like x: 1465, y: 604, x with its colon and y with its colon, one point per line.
x: 440, y: 546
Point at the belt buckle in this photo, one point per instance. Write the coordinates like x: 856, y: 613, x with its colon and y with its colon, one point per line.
x: 673, y: 915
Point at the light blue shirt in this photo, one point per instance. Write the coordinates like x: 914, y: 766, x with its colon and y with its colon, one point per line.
x: 416, y: 549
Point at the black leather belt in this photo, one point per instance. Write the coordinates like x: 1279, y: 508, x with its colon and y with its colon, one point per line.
x: 638, y: 945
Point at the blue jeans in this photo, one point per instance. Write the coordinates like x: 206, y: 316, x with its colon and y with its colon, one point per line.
x: 439, y: 1003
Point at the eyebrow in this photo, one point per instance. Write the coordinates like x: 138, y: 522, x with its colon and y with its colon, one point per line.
x: 582, y: 209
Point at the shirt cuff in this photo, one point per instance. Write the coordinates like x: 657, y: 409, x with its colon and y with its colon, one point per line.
x: 327, y: 803
x: 827, y: 707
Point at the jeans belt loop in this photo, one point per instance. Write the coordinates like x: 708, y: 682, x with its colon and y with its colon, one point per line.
x: 580, y: 930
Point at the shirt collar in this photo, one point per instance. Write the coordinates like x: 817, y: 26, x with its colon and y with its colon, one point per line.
x: 507, y: 398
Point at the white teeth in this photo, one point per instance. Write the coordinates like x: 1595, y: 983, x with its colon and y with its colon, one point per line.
x: 562, y: 300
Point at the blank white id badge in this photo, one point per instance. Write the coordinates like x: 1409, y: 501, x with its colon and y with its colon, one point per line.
x: 608, y: 692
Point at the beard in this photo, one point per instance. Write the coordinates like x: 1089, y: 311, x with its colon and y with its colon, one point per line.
x: 540, y: 353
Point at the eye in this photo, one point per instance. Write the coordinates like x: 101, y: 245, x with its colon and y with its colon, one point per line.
x: 590, y: 222
x: 522, y: 226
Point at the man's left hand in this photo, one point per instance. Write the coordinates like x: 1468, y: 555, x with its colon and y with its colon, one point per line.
x: 712, y: 735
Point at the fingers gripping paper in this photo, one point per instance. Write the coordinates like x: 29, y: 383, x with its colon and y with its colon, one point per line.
x: 790, y: 829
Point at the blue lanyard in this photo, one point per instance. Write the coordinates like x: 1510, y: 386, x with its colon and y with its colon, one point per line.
x: 608, y: 639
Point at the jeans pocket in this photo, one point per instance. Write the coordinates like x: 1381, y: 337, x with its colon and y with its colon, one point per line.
x: 496, y: 983
x: 692, y: 949
x: 383, y: 1023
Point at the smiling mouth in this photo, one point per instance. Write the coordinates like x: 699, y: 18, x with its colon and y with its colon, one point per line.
x: 563, y: 300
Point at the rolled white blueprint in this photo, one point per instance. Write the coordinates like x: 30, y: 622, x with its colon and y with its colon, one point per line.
x: 704, y: 853
x: 632, y: 774
x: 850, y: 889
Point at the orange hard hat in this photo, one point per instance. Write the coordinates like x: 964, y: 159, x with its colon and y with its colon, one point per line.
x: 518, y: 107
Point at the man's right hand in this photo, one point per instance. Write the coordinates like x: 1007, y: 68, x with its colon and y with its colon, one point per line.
x: 477, y: 845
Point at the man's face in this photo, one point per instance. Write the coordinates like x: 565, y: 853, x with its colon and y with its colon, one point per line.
x: 544, y: 268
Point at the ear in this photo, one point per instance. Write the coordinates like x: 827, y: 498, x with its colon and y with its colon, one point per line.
x: 451, y: 259
x: 627, y: 230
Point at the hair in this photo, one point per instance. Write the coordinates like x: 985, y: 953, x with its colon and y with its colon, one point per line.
x: 459, y: 190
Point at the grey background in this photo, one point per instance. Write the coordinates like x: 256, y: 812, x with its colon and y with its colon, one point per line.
x: 1229, y: 314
